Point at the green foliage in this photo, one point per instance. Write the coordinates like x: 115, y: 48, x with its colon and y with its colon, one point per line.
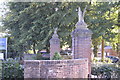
x: 102, y: 22
x: 95, y: 42
x: 29, y: 30
x: 29, y: 56
x: 106, y: 70
x: 12, y: 69
x: 57, y: 56
x: 31, y: 24
x: 0, y: 69
x: 40, y: 57
x: 98, y: 60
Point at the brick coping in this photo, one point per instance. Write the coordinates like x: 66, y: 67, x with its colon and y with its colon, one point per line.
x: 57, y: 60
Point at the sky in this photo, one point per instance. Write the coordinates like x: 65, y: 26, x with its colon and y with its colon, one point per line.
x: 2, y: 9
x: 2, y: 6
x: 2, y: 12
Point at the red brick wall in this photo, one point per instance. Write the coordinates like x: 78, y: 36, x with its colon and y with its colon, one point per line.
x: 111, y: 52
x: 81, y: 45
x: 74, y: 68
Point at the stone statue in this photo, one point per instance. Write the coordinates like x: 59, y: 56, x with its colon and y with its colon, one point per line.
x: 80, y: 17
x: 55, y: 30
x: 81, y: 14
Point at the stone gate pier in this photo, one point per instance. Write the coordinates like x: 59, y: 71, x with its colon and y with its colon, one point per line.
x: 81, y: 40
x: 77, y: 67
x: 54, y: 44
x: 74, y: 68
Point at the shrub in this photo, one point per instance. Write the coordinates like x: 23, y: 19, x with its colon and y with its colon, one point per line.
x: 57, y: 56
x: 40, y: 57
x: 12, y: 69
x: 30, y: 56
x: 106, y: 70
x: 98, y: 60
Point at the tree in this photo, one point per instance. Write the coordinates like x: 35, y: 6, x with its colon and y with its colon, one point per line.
x: 33, y: 30
x: 27, y: 28
x: 31, y: 24
x: 103, y: 22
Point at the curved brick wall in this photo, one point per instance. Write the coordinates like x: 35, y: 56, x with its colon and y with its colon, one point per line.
x: 74, y: 68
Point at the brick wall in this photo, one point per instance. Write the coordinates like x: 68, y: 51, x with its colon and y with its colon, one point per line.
x: 81, y: 44
x: 74, y: 68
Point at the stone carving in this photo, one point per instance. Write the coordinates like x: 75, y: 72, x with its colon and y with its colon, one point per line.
x: 81, y: 14
x: 81, y: 17
x: 55, y: 30
x: 55, y: 33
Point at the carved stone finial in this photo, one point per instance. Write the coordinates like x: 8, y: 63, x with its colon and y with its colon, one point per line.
x: 81, y: 23
x: 55, y: 30
x: 79, y: 14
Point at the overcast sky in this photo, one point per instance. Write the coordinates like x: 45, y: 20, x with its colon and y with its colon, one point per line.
x: 3, y: 10
x: 2, y: 6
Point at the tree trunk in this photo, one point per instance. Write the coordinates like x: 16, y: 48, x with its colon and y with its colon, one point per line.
x: 95, y: 50
x: 34, y: 48
x: 48, y: 51
x: 95, y: 43
x: 102, y: 51
x: 47, y: 48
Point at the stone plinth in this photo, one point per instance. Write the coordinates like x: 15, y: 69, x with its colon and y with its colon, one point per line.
x: 54, y: 45
x: 74, y: 68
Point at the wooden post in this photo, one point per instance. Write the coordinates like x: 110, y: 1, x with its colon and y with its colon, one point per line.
x: 102, y: 51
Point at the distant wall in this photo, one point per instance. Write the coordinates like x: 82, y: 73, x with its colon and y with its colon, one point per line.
x: 74, y: 68
x: 29, y: 56
x: 111, y: 52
